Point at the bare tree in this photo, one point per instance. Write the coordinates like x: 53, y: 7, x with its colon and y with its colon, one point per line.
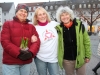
x: 53, y: 14
x: 93, y: 11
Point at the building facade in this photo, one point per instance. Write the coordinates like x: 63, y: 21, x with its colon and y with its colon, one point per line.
x: 0, y: 16
x: 76, y: 5
x: 7, y: 11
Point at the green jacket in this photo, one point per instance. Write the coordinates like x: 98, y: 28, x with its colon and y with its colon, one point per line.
x: 83, y: 45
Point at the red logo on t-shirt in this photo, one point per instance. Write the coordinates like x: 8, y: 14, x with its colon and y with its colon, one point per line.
x: 48, y: 35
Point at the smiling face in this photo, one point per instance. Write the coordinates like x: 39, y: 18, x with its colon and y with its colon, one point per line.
x: 65, y: 17
x: 22, y: 15
x: 41, y: 16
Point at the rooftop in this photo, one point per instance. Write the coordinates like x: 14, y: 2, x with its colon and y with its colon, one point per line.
x: 6, y: 6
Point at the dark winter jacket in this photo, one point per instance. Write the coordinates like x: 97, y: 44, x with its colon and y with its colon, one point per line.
x: 11, y: 35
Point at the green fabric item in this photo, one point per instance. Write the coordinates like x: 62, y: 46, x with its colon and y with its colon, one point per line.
x: 83, y: 46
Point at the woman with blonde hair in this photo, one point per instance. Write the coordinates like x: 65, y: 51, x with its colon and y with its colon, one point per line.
x: 46, y: 58
x: 74, y: 43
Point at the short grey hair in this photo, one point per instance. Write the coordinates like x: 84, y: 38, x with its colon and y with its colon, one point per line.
x: 64, y: 10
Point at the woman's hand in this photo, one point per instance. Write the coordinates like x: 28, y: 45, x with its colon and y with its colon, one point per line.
x: 33, y: 38
x: 87, y: 60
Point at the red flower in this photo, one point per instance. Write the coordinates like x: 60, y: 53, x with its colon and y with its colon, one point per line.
x: 24, y: 43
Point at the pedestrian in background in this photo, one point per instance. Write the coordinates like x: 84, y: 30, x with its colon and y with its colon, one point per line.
x: 46, y: 59
x: 98, y: 53
x: 74, y: 43
x: 18, y: 50
x: 96, y: 68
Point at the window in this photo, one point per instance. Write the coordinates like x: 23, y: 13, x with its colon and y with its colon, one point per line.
x: 96, y: 13
x: 56, y: 7
x: 98, y: 6
x: 51, y: 7
x: 89, y: 12
x: 46, y: 7
x: 89, y: 6
x: 29, y: 8
x: 80, y: 6
x: 4, y: 14
x: 84, y: 12
x: 84, y: 6
x: 30, y: 14
x: 5, y: 20
x: 93, y: 5
x: 34, y: 8
x: 73, y: 6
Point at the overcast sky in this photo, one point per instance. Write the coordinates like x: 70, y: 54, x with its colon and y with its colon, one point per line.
x: 27, y: 1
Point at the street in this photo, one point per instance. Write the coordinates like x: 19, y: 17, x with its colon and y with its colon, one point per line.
x: 94, y: 59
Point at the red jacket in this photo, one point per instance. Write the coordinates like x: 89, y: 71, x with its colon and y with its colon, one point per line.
x: 11, y: 35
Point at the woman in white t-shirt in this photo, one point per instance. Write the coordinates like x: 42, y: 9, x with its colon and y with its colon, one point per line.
x: 46, y: 58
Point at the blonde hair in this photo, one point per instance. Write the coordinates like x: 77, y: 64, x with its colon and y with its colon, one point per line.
x: 65, y: 9
x: 35, y: 22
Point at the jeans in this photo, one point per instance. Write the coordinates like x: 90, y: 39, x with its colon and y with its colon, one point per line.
x: 16, y: 69
x: 42, y: 67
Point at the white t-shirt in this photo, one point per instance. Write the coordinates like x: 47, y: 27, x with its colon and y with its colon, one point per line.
x: 49, y: 42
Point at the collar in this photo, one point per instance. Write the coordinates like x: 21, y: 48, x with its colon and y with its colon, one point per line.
x: 42, y: 24
x: 16, y: 19
x: 69, y: 24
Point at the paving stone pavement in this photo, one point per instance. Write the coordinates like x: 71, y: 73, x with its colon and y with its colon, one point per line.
x: 94, y: 59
